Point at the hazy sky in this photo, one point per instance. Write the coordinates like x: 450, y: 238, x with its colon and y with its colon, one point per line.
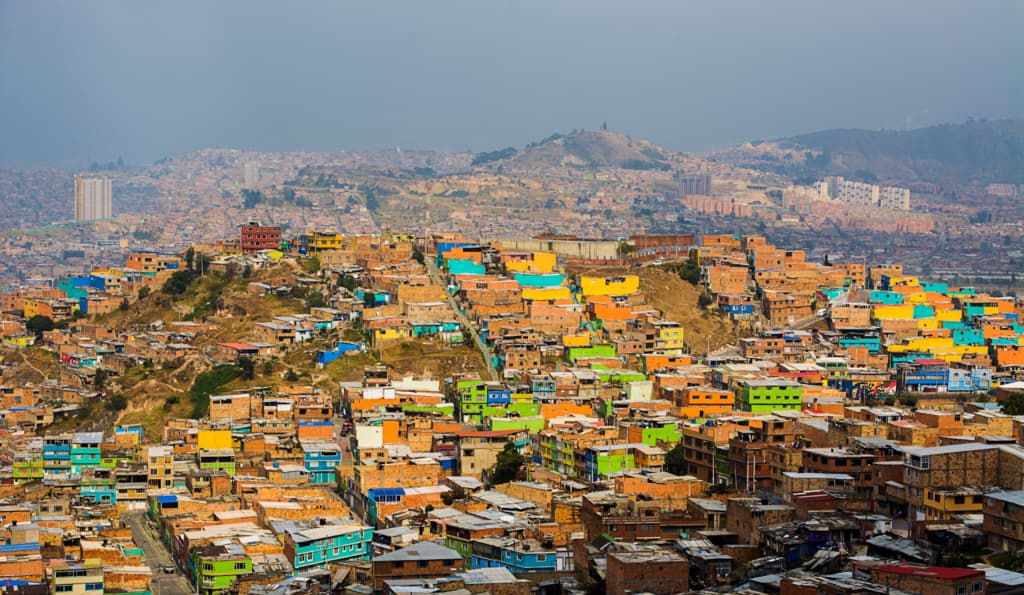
x: 94, y: 80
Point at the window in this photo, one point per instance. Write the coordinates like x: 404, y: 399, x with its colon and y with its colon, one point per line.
x: 239, y: 565
x: 94, y: 586
x: 961, y: 590
x: 977, y: 587
x: 62, y: 588
x: 208, y: 566
x: 422, y: 563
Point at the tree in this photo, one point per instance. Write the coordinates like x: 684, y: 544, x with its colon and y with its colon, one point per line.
x: 508, y: 465
x: 674, y: 461
x: 690, y: 272
x: 251, y: 198
x: 124, y: 305
x: 190, y: 256
x: 311, y: 265
x: 39, y: 324
x: 315, y: 299
x: 144, y: 293
x: 418, y: 256
x: 99, y: 379
x: 268, y: 367
x: 291, y: 376
x: 178, y: 282
x: 704, y: 301
x: 248, y: 368
x: 116, y: 403
x: 1014, y: 404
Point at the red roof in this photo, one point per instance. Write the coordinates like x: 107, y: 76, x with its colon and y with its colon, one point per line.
x: 942, y: 572
x: 238, y: 346
x: 924, y: 361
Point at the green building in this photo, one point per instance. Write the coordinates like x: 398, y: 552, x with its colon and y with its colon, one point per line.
x: 474, y: 395
x: 27, y: 467
x: 531, y: 424
x: 770, y: 394
x: 578, y: 353
x: 217, y: 567
x: 600, y: 462
x: 218, y: 459
x: 651, y: 432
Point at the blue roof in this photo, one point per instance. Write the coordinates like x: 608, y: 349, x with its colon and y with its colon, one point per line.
x: 386, y: 492
x: 167, y: 499
x: 12, y: 548
x: 315, y: 423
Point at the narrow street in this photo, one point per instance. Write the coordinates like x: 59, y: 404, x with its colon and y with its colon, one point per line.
x: 156, y: 556
x: 466, y: 324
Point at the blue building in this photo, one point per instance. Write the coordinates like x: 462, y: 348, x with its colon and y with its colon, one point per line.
x: 57, y: 455
x: 316, y: 547
x: 518, y: 556
x: 326, y: 356
x: 498, y: 395
x: 321, y: 458
x: 923, y: 375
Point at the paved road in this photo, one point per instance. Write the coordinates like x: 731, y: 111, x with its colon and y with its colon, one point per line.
x: 466, y: 324
x: 156, y: 556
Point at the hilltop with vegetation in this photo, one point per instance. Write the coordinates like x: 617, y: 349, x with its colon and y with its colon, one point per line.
x: 582, y: 149
x: 977, y: 151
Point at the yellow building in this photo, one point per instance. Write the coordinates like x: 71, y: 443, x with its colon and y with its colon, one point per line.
x: 940, y: 504
x: 393, y: 237
x: 383, y: 335
x: 318, y: 241
x: 670, y: 336
x: 546, y: 293
x: 576, y: 340
x: 214, y: 439
x: 539, y: 262
x: 624, y: 285
x: 893, y: 312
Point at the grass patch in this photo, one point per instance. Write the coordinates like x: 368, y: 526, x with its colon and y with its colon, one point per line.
x: 208, y: 383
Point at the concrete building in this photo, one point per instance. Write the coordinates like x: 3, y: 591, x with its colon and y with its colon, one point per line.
x: 92, y: 198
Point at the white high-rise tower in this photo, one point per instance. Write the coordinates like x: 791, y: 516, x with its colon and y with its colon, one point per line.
x: 92, y: 198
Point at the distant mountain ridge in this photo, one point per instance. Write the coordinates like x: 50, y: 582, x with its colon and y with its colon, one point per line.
x: 977, y: 151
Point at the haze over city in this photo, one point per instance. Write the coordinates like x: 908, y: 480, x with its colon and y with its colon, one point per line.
x: 94, y: 81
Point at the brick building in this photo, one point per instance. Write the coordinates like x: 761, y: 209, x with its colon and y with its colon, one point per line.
x: 419, y: 560
x: 256, y: 237
x: 656, y: 571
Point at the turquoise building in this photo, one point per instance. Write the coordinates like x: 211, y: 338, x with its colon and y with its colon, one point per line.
x: 464, y: 267
x: 85, y: 451
x: 319, y: 546
x: 540, y: 279
x: 321, y: 458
